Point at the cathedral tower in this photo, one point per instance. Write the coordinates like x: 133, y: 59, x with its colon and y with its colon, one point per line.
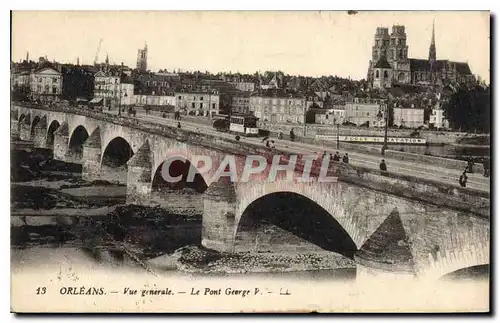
x: 398, y: 50
x: 142, y: 59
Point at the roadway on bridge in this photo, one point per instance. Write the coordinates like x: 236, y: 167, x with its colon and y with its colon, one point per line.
x: 424, y: 171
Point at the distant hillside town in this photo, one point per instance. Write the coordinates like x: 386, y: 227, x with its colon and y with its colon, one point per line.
x: 412, y: 91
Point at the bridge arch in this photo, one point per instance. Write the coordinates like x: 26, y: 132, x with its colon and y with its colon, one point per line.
x: 51, y: 129
x: 114, y: 160
x: 265, y: 220
x: 327, y: 195
x: 448, y: 262
x: 22, y: 116
x: 35, y: 121
x: 75, y: 142
x: 178, y: 168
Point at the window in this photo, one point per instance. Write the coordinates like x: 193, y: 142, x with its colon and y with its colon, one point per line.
x: 326, y: 116
x: 201, y: 105
x: 180, y: 97
x: 368, y: 114
x: 386, y: 75
x: 213, y: 105
x: 376, y: 74
x: 54, y: 90
x: 54, y: 79
x: 192, y: 105
x: 201, y: 98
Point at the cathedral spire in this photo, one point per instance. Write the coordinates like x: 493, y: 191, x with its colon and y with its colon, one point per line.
x: 432, y: 48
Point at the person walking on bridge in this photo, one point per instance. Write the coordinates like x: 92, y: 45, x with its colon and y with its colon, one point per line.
x: 486, y: 166
x: 336, y: 157
x: 383, y: 166
x: 463, y: 179
x: 345, y: 159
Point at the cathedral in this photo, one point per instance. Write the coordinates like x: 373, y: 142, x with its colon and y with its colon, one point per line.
x: 390, y: 63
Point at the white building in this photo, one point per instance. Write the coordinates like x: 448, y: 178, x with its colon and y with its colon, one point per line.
x: 437, y: 119
x: 46, y: 84
x: 113, y: 88
x: 408, y: 117
x: 156, y: 100
x: 369, y: 111
x: 336, y: 115
x: 244, y: 86
x: 199, y: 103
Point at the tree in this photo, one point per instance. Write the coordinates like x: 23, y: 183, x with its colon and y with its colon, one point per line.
x: 469, y: 109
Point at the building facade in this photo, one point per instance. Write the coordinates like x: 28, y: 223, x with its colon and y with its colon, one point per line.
x: 332, y: 116
x: 278, y: 106
x: 155, y: 100
x: 240, y: 103
x: 114, y: 88
x: 46, y: 84
x: 244, y: 86
x: 408, y: 117
x: 366, y: 111
x: 390, y: 63
x: 197, y: 103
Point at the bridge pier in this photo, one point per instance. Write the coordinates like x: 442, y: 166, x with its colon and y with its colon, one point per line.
x: 91, y: 166
x: 219, y: 216
x: 61, y: 138
x: 14, y: 127
x: 386, y: 254
x: 25, y: 130
x: 39, y: 134
x: 139, y: 169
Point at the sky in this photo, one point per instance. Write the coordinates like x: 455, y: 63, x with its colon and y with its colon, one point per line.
x: 312, y: 43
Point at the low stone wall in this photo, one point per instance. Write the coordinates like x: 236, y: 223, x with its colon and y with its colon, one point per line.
x: 432, y: 137
x: 431, y: 160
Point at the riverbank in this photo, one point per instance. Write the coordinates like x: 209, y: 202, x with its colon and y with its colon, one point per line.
x: 197, y: 259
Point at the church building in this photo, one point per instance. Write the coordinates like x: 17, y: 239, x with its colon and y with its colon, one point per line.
x: 390, y: 63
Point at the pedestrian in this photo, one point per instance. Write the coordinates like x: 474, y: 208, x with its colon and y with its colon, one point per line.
x: 267, y: 144
x: 345, y: 159
x: 470, y: 165
x: 292, y: 135
x: 383, y: 166
x: 463, y: 179
x: 486, y: 166
x: 336, y: 157
x: 280, y: 135
x: 324, y: 154
x: 272, y: 144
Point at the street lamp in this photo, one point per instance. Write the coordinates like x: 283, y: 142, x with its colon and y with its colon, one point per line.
x: 389, y: 102
x: 337, y: 122
x: 305, y: 115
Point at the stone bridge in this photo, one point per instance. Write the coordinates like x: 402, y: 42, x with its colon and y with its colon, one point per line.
x: 386, y: 222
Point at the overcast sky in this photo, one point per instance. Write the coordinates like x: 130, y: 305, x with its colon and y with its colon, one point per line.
x: 308, y: 43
